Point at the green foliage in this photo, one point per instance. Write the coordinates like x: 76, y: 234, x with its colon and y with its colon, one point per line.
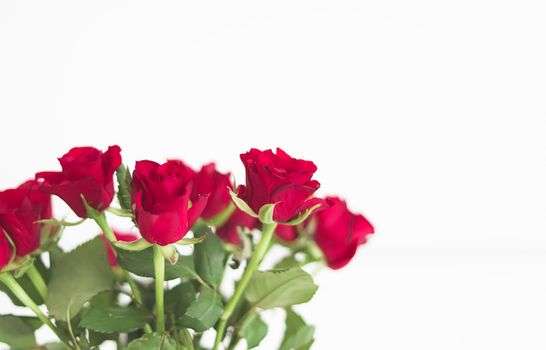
x: 110, y: 319
x: 209, y: 257
x: 27, y: 285
x: 254, y: 330
x: 18, y: 331
x: 152, y: 342
x: 298, y: 335
x: 203, y: 312
x: 142, y: 263
x: 280, y: 288
x: 76, y: 277
x: 123, y: 175
x: 178, y: 299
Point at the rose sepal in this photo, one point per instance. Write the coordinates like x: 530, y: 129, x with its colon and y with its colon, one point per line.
x: 169, y: 252
x: 193, y: 240
x: 266, y: 213
x: 298, y: 220
x: 135, y: 246
x: 222, y: 217
x: 242, y: 205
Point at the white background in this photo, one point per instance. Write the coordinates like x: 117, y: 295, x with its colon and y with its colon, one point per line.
x: 428, y: 116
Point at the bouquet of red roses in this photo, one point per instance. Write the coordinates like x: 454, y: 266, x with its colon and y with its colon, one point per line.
x: 113, y: 286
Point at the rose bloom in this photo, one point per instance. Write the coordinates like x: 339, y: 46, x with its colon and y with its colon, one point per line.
x: 20, y: 208
x: 338, y: 232
x: 228, y: 231
x: 85, y: 171
x: 161, y: 196
x: 5, y: 250
x: 211, y: 181
x: 120, y: 236
x: 278, y: 178
x: 286, y: 233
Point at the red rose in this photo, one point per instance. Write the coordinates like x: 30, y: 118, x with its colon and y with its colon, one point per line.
x: 278, y: 178
x: 287, y: 233
x: 88, y: 172
x: 161, y: 195
x: 228, y: 231
x: 339, y: 232
x: 209, y: 180
x: 20, y: 208
x: 5, y: 250
x: 122, y: 237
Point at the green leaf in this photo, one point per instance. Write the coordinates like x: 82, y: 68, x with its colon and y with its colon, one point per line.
x: 209, y: 258
x: 203, y: 312
x: 241, y: 204
x: 76, y: 277
x: 123, y: 175
x: 178, y: 299
x: 298, y: 335
x: 287, y: 262
x: 253, y: 330
x: 280, y: 288
x: 266, y: 213
x: 152, y: 342
x: 18, y: 331
x: 111, y: 319
x: 142, y: 263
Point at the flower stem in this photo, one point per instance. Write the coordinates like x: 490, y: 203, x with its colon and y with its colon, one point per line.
x: 103, y: 224
x: 257, y: 257
x: 14, y: 286
x: 159, y: 268
x: 37, y: 281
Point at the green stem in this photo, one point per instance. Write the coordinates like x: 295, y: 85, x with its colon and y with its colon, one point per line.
x: 159, y: 268
x: 103, y: 224
x: 37, y: 281
x: 137, y: 297
x: 255, y: 260
x: 14, y: 286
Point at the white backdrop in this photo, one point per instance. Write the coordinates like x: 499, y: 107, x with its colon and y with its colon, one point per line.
x: 429, y: 117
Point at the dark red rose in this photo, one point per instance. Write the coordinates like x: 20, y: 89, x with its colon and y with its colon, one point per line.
x: 88, y: 172
x: 228, y: 231
x: 209, y: 180
x: 161, y: 194
x: 339, y: 232
x: 278, y: 178
x: 5, y: 250
x: 20, y: 208
x: 122, y: 237
x: 286, y: 233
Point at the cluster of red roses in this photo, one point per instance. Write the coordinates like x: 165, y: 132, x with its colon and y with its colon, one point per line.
x: 167, y: 199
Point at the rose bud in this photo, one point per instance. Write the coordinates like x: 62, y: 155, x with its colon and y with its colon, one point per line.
x: 209, y: 180
x: 161, y: 196
x: 286, y: 233
x: 278, y: 178
x: 5, y: 250
x: 88, y: 172
x: 122, y: 237
x: 338, y: 232
x: 20, y: 209
x: 228, y: 231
